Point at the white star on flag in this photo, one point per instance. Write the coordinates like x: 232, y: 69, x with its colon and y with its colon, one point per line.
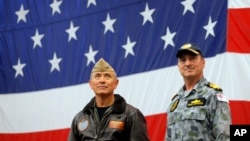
x: 55, y: 63
x: 55, y: 6
x: 37, y: 39
x: 91, y: 2
x: 49, y: 47
x: 210, y: 27
x: 188, y: 6
x: 19, y: 68
x: 168, y: 38
x: 21, y: 14
x: 129, y: 47
x: 147, y: 14
x: 108, y: 23
x: 91, y: 55
x: 72, y: 31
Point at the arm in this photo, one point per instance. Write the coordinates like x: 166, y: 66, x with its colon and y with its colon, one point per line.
x: 138, y: 128
x: 221, y: 119
x: 72, y: 136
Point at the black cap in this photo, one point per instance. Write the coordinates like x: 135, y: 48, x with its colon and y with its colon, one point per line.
x: 195, y: 49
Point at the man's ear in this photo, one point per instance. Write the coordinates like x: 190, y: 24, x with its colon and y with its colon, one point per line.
x: 117, y: 82
x: 90, y: 84
x: 204, y: 63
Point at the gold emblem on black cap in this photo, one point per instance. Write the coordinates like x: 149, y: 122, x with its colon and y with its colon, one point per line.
x: 189, y: 47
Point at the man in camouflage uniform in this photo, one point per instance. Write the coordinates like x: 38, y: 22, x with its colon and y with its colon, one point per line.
x: 199, y: 111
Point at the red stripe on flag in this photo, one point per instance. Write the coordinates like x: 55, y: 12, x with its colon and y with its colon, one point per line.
x: 238, y: 39
x: 52, y: 135
x: 240, y: 112
x: 156, y: 126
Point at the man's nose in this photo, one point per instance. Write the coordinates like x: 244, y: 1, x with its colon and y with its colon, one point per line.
x: 102, y: 79
x: 187, y: 62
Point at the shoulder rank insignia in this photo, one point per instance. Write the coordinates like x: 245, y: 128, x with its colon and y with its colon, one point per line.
x: 174, y: 97
x: 214, y: 86
x: 174, y: 105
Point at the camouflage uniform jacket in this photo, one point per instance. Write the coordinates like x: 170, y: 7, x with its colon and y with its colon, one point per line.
x: 202, y: 115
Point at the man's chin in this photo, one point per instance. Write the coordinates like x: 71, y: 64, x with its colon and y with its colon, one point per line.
x: 103, y: 94
x: 188, y: 76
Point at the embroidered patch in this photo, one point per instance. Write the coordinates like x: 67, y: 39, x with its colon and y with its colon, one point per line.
x: 83, y: 125
x: 116, y: 124
x: 174, y: 105
x: 222, y: 97
x: 196, y: 102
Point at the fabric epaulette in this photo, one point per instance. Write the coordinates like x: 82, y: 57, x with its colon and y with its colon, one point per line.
x: 214, y: 86
x: 174, y: 97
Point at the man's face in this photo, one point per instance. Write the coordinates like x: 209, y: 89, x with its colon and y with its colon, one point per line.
x: 191, y: 65
x: 103, y: 82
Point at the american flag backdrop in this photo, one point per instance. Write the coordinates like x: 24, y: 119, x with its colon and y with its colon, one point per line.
x: 48, y: 48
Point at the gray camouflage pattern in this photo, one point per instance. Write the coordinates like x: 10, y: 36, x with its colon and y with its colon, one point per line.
x: 210, y: 122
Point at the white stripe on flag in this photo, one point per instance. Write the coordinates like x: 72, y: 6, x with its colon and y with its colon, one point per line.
x: 151, y: 92
x: 239, y: 4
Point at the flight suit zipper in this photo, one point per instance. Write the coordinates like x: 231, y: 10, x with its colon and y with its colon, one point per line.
x: 100, y: 123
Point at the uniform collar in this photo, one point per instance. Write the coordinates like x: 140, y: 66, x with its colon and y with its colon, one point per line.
x: 118, y: 106
x: 197, y: 88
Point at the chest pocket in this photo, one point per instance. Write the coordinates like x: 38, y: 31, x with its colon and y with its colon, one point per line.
x: 191, y: 113
x: 194, y: 115
x: 195, y: 109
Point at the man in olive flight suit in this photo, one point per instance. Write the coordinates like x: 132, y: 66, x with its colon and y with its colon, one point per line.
x: 107, y: 117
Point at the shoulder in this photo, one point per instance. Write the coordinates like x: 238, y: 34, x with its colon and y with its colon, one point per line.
x: 174, y: 97
x: 221, y: 97
x: 218, y: 94
x: 132, y: 111
x: 80, y: 116
x: 130, y: 108
x: 214, y: 86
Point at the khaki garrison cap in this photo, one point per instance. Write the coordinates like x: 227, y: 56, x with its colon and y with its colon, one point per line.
x: 101, y: 66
